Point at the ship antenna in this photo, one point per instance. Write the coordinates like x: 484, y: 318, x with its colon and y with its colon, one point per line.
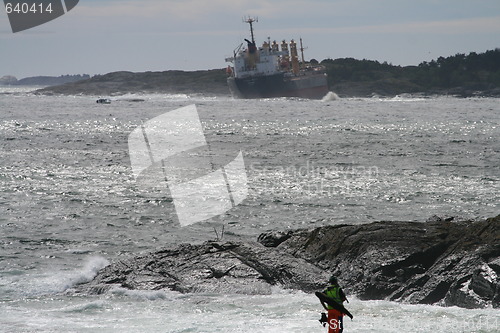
x: 251, y: 20
x: 302, y: 52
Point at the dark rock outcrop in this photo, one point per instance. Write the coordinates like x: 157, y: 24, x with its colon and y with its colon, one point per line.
x: 440, y: 261
x: 230, y: 267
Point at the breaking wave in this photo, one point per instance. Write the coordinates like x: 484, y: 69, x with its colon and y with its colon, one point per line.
x: 330, y: 96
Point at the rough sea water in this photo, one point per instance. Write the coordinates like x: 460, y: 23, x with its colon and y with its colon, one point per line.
x: 69, y: 203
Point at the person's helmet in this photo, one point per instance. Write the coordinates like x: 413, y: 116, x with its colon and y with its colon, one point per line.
x: 333, y: 279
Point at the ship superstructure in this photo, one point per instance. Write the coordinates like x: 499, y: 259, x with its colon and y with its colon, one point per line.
x: 273, y: 70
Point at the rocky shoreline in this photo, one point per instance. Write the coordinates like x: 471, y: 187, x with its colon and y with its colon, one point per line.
x: 440, y: 261
x: 213, y: 82
x: 210, y: 82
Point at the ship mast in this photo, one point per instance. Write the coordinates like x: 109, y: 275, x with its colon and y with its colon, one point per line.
x: 251, y: 20
x: 302, y: 52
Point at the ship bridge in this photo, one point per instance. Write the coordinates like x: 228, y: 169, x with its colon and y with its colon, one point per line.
x: 265, y: 60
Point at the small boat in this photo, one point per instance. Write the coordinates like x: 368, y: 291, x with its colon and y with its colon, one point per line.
x: 103, y: 101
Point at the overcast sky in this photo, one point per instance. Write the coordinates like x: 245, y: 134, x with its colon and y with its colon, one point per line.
x: 101, y: 36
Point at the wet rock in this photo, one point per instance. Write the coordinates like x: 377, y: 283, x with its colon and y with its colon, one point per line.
x: 437, y: 262
x: 210, y: 267
x: 442, y: 261
x: 273, y: 238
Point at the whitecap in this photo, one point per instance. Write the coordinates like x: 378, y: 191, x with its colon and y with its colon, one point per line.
x: 330, y: 96
x: 150, y: 295
x: 93, y: 265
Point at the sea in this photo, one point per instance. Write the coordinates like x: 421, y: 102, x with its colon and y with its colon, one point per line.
x: 70, y: 204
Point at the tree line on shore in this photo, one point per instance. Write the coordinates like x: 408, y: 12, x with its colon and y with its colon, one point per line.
x: 476, y: 71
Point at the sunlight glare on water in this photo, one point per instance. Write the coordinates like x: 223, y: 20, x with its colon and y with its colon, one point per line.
x: 69, y: 202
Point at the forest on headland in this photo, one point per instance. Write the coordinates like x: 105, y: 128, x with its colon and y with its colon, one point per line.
x: 475, y: 74
x: 460, y: 74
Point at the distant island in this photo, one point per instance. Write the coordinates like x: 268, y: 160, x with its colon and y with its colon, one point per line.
x: 211, y: 82
x: 42, y: 80
x: 475, y: 74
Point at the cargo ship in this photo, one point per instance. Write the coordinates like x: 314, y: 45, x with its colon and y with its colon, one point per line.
x: 273, y: 70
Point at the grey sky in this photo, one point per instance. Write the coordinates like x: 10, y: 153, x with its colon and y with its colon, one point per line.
x: 100, y: 36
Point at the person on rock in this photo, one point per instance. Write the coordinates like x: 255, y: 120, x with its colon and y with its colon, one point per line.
x: 332, y: 299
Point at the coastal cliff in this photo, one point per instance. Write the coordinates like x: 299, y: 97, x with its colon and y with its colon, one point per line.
x: 441, y: 261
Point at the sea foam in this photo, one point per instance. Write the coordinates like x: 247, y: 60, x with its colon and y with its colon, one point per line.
x: 330, y: 96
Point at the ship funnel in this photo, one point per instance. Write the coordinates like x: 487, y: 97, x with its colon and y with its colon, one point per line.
x: 275, y: 46
x: 285, y: 59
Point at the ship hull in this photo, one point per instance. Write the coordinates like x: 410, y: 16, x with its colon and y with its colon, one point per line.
x: 313, y: 86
